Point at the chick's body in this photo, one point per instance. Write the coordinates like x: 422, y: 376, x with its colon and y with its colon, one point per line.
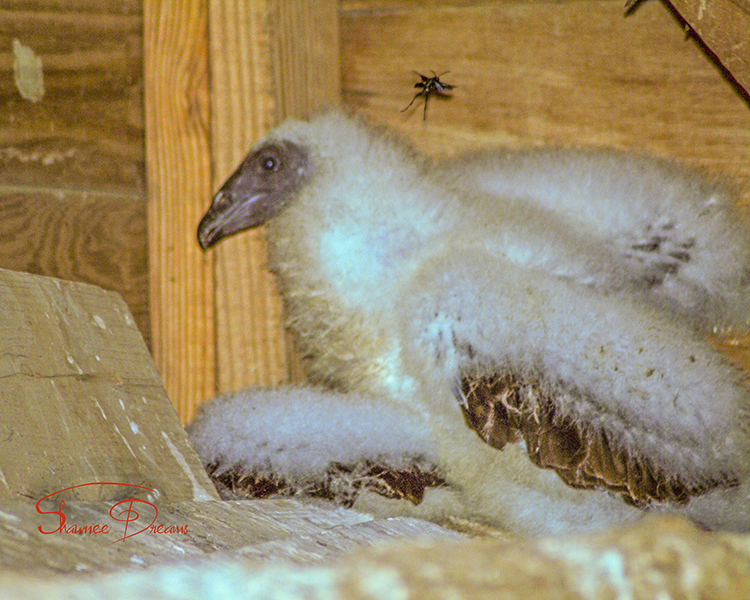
x: 578, y: 278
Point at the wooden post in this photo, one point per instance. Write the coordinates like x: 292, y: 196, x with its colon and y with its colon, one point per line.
x: 179, y: 187
x: 269, y: 60
x: 216, y: 318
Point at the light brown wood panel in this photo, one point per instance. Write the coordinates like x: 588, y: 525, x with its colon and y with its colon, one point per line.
x: 88, y: 237
x: 270, y: 59
x: 372, y: 6
x: 573, y: 73
x: 82, y: 127
x: 724, y: 26
x: 179, y: 178
x: 250, y: 346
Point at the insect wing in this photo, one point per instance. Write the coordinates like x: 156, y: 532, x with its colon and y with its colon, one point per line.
x: 441, y: 87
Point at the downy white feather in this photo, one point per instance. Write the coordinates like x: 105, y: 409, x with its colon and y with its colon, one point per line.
x: 587, y: 277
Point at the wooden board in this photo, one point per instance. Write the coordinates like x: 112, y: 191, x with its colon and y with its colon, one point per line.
x: 179, y: 175
x: 258, y: 532
x: 724, y: 27
x: 81, y: 126
x: 72, y: 177
x: 373, y: 6
x: 572, y: 73
x: 81, y: 400
x: 270, y: 60
x: 92, y: 237
x: 659, y: 558
x: 250, y: 344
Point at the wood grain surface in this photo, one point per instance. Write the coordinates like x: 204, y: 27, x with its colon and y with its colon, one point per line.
x: 270, y: 60
x: 216, y: 317
x: 86, y: 131
x: 82, y: 401
x: 570, y: 73
x: 179, y: 175
x: 72, y: 177
x: 724, y: 27
x: 96, y: 238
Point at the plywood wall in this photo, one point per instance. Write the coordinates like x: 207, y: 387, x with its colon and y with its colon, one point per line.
x: 572, y: 73
x: 72, y: 177
x: 538, y: 72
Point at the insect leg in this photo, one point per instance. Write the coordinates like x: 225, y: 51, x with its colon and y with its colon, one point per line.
x: 417, y: 95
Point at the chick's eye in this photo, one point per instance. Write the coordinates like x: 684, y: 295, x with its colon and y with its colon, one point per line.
x: 269, y: 163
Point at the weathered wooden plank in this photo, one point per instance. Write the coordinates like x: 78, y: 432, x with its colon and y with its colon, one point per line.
x: 71, y: 85
x: 81, y: 400
x: 270, y: 59
x: 179, y: 175
x: 193, y: 530
x: 659, y: 558
x: 93, y: 238
x: 724, y: 26
x: 255, y: 532
x: 548, y: 72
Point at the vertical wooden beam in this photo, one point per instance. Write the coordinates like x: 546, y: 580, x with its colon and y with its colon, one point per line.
x: 269, y: 60
x: 216, y: 318
x: 179, y: 182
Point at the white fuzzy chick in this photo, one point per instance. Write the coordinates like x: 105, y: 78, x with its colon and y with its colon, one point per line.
x: 534, y: 321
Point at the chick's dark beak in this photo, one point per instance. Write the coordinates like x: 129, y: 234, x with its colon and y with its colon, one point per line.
x: 210, y: 229
x: 229, y: 214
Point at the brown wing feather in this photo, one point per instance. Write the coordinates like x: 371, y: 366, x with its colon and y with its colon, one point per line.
x: 505, y: 409
x: 341, y: 483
